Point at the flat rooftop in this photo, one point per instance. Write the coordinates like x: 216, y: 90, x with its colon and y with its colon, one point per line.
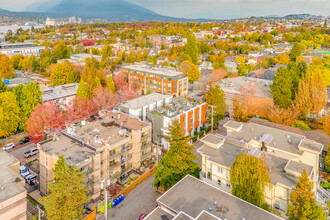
x: 10, y: 180
x: 74, y: 152
x: 125, y: 121
x: 244, y: 84
x: 142, y: 101
x: 192, y: 196
x: 178, y: 106
x: 157, y: 214
x: 61, y: 91
x: 160, y: 71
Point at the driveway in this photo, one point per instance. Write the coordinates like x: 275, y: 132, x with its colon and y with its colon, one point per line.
x: 20, y: 149
x: 141, y: 200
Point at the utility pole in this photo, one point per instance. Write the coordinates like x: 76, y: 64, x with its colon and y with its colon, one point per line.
x: 105, y: 178
x: 212, y: 106
x: 39, y: 212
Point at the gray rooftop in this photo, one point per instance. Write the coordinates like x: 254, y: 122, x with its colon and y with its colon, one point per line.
x: 311, y: 145
x: 182, y: 216
x: 157, y: 213
x: 142, y: 101
x: 58, y: 92
x: 212, y: 139
x: 242, y: 83
x: 297, y: 167
x: 10, y: 181
x: 191, y: 196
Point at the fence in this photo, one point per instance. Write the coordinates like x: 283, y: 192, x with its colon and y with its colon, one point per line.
x: 137, y: 182
x: 90, y: 216
x: 12, y: 139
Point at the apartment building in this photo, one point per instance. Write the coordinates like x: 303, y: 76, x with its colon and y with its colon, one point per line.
x: 191, y: 112
x: 286, y: 155
x: 21, y: 48
x: 193, y: 199
x: 12, y: 192
x: 160, y: 80
x: 61, y: 95
x: 139, y: 107
x: 107, y: 148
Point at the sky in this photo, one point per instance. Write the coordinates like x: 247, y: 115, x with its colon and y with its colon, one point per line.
x: 213, y: 9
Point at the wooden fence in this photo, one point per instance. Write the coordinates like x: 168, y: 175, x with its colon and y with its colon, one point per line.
x: 137, y: 182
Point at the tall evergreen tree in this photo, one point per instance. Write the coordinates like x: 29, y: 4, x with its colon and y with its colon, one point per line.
x: 68, y: 193
x: 282, y: 88
x: 82, y: 90
x: 178, y: 161
x: 248, y: 178
x: 111, y: 84
x: 295, y: 52
x: 303, y: 202
x: 192, y: 48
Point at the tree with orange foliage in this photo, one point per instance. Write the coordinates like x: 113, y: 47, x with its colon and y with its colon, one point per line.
x: 283, y: 59
x: 216, y: 75
x: 283, y: 116
x: 312, y: 93
x: 185, y: 65
x: 104, y: 99
x: 241, y: 110
x: 6, y: 70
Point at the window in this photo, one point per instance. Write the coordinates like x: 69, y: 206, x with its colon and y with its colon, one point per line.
x: 279, y: 205
x: 220, y: 169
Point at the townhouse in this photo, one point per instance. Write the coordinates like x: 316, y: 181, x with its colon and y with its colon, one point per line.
x: 286, y: 155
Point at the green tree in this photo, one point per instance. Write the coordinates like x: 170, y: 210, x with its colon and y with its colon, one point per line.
x: 295, y: 52
x: 327, y: 161
x: 192, y: 48
x: 82, y: 90
x: 106, y: 52
x: 28, y: 97
x: 61, y: 50
x: 303, y: 202
x: 63, y: 73
x: 6, y: 70
x: 68, y: 193
x: 111, y: 84
x: 216, y: 97
x: 178, y: 161
x: 9, y: 114
x: 282, y: 88
x: 248, y: 178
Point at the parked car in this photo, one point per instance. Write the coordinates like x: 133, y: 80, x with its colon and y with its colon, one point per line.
x: 142, y: 216
x: 23, y: 171
x: 33, y: 151
x: 31, y: 179
x: 8, y: 146
x: 25, y: 140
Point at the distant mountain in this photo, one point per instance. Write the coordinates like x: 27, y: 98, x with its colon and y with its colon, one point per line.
x: 114, y: 10
x: 42, y: 6
x: 301, y: 16
x: 272, y: 16
x: 3, y: 10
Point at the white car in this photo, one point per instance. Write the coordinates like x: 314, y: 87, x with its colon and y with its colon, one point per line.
x: 9, y: 146
x: 23, y: 171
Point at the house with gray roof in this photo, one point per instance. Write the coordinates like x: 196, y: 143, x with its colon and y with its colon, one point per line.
x: 286, y: 155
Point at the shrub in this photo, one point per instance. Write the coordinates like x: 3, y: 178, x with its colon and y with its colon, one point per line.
x: 194, y: 139
x: 325, y: 185
x: 195, y: 133
x: 202, y: 128
x: 301, y: 125
x: 129, y: 181
x: 208, y: 129
x: 201, y: 133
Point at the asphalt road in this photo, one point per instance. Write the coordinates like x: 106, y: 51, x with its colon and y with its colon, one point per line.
x: 141, y: 200
x: 20, y: 149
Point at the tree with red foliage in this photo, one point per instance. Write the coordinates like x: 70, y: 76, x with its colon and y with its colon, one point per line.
x: 103, y: 99
x: 87, y: 43
x: 46, y: 117
x: 78, y: 109
x: 119, y: 81
x: 126, y: 93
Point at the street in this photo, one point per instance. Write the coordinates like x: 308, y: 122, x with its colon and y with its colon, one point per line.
x: 141, y: 200
x: 20, y: 149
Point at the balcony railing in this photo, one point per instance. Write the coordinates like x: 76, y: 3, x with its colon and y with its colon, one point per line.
x: 115, y: 175
x: 126, y: 149
x: 144, y: 146
x: 114, y: 156
x: 114, y: 165
x: 145, y: 156
x: 145, y: 137
x: 125, y: 170
x: 125, y: 159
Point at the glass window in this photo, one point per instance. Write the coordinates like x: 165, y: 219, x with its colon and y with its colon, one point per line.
x: 220, y: 169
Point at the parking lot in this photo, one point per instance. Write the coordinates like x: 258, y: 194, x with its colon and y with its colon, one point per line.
x: 20, y: 149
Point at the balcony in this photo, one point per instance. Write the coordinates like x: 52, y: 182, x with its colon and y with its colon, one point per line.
x: 145, y: 137
x: 113, y: 165
x: 126, y: 149
x: 125, y: 159
x: 114, y: 156
x: 145, y: 156
x: 145, y: 146
x: 115, y: 175
x: 125, y: 170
